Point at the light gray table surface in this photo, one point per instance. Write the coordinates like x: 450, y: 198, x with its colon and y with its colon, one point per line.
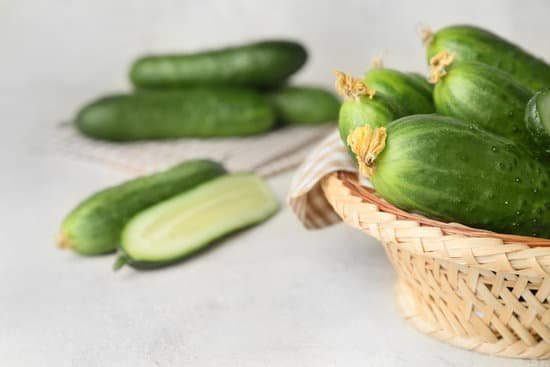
x: 276, y: 295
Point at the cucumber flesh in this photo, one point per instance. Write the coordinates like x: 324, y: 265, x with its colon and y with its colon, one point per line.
x: 184, y: 224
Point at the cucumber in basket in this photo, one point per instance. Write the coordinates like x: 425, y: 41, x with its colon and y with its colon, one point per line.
x: 481, y: 94
x: 304, y: 105
x: 363, y: 105
x: 444, y: 168
x: 190, y: 112
x: 264, y: 63
x: 95, y: 225
x: 537, y: 118
x: 410, y: 91
x: 471, y: 43
x: 187, y: 223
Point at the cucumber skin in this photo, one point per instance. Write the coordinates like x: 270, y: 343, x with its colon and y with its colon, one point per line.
x: 260, y: 64
x: 413, y: 95
x: 539, y: 133
x: 376, y: 112
x: 485, y: 96
x: 191, y: 112
x: 150, y: 265
x: 95, y: 225
x: 304, y: 105
x: 471, y: 43
x: 446, y: 169
x: 422, y: 81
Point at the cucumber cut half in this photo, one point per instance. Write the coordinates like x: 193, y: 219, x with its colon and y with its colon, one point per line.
x: 187, y: 223
x: 537, y: 119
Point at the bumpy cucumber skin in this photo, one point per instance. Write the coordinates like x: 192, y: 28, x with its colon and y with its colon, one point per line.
x: 95, y: 225
x: 413, y: 95
x: 142, y: 264
x: 471, y: 43
x: 485, y: 96
x: 533, y: 120
x: 259, y: 64
x: 191, y: 112
x: 376, y: 112
x: 447, y: 169
x: 304, y: 105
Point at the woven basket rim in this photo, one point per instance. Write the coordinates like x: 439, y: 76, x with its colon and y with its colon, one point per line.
x: 351, y: 182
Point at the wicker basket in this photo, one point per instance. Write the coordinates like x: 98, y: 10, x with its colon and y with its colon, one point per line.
x: 474, y: 289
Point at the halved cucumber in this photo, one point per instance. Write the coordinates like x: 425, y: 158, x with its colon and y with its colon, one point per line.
x: 184, y: 224
x: 537, y: 118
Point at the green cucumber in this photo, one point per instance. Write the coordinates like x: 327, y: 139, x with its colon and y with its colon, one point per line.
x: 486, y: 97
x: 187, y: 223
x: 443, y: 168
x: 363, y: 106
x: 191, y: 112
x: 304, y: 105
x: 537, y: 118
x: 471, y: 43
x: 95, y: 225
x: 414, y: 95
x: 266, y: 63
x: 422, y: 80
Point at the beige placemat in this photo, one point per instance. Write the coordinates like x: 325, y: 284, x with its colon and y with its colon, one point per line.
x: 266, y: 154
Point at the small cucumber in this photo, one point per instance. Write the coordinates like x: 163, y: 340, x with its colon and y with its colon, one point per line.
x: 187, y: 223
x: 191, y: 112
x: 443, y: 168
x: 483, y: 95
x: 362, y: 106
x: 266, y: 63
x: 471, y: 43
x: 95, y: 225
x: 414, y: 95
x: 537, y: 118
x: 304, y: 105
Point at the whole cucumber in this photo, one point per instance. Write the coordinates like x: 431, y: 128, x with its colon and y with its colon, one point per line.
x: 190, y: 112
x: 304, y: 105
x: 412, y: 94
x: 95, y: 225
x: 537, y: 118
x: 261, y: 64
x: 471, y: 43
x: 485, y: 96
x: 443, y: 168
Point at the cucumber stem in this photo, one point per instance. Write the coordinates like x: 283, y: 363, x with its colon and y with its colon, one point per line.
x: 351, y: 87
x: 377, y: 62
x: 426, y: 33
x: 63, y: 241
x: 367, y: 143
x: 438, y: 65
x: 121, y: 260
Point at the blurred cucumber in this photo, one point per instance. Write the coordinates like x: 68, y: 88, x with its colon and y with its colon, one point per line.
x: 95, y: 225
x: 266, y: 63
x: 187, y: 223
x: 191, y: 112
x: 304, y: 105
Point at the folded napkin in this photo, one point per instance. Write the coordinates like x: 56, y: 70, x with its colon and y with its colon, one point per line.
x: 265, y: 154
x: 306, y: 197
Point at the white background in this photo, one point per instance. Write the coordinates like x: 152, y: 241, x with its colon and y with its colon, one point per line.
x: 274, y: 296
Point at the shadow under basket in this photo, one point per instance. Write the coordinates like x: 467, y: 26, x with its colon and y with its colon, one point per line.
x: 471, y: 288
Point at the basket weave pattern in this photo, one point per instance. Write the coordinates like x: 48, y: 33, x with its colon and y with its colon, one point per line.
x: 474, y: 289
